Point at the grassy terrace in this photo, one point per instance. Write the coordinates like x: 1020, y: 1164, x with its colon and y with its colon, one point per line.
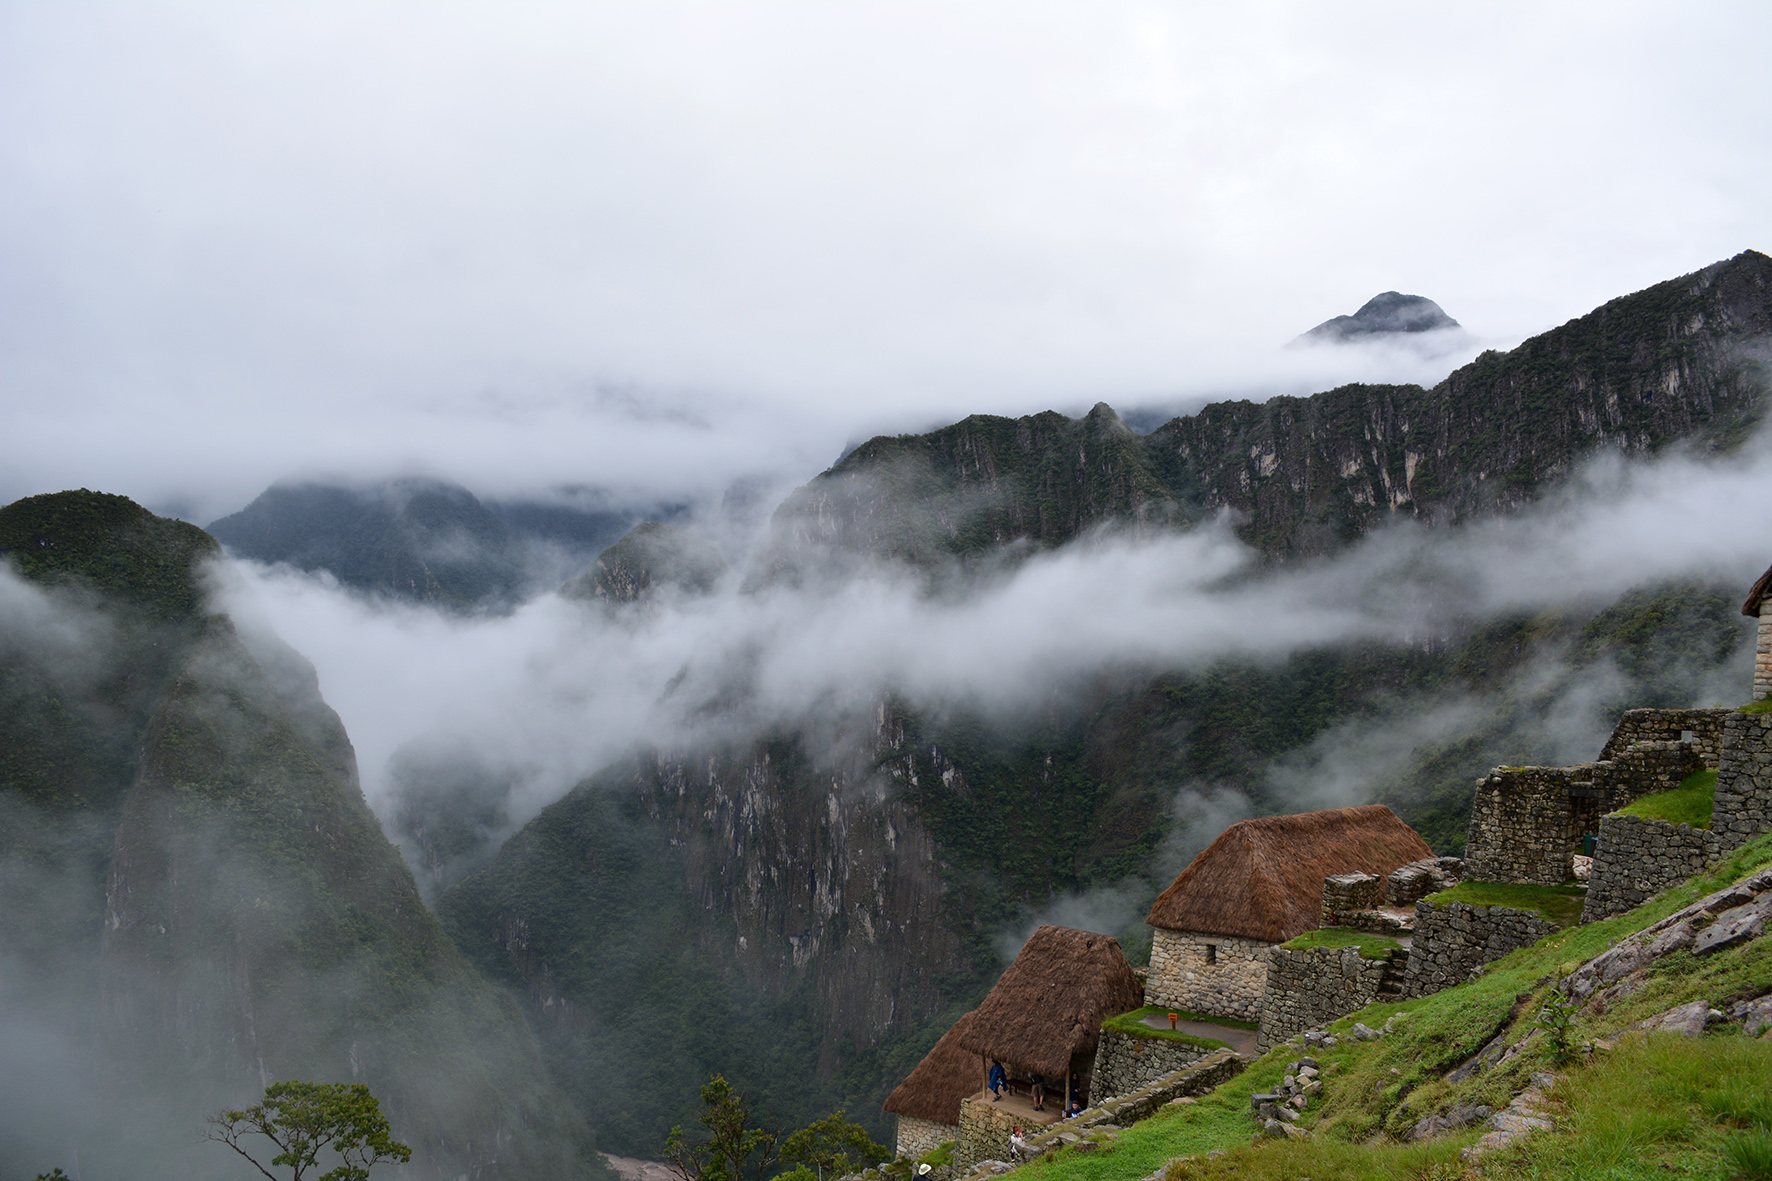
x: 1372, y: 947
x: 1661, y: 1108
x: 1689, y: 803
x: 1559, y: 904
x: 1133, y: 1023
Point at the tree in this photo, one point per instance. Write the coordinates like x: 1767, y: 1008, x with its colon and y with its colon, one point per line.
x: 301, y: 1119
x: 732, y: 1142
x: 824, y: 1149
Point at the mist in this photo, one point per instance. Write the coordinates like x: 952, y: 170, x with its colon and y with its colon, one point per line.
x: 658, y: 249
x: 545, y: 696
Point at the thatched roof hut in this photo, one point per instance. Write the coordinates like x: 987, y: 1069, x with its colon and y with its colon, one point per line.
x: 1263, y: 879
x: 1051, y: 1002
x: 1758, y: 594
x: 947, y: 1074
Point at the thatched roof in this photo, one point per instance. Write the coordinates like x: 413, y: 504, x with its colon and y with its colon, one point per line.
x: 1051, y: 1002
x: 1758, y: 594
x: 946, y: 1075
x: 1263, y: 879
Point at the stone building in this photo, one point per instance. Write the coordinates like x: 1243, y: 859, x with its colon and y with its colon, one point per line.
x: 1759, y: 606
x: 927, y: 1102
x: 1259, y: 884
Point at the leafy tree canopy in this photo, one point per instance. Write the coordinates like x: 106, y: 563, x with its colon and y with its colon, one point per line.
x: 302, y: 1119
x: 827, y: 1148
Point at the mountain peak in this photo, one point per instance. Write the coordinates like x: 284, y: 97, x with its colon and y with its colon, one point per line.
x: 1388, y: 313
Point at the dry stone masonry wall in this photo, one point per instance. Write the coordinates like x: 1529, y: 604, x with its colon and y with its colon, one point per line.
x: 1637, y: 858
x: 1453, y: 940
x: 1220, y: 975
x: 1309, y: 987
x: 1743, y: 803
x: 1670, y: 725
x: 1125, y: 1062
x: 919, y: 1137
x: 1526, y: 822
x: 1763, y: 653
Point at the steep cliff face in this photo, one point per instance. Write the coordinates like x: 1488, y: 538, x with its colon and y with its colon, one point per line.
x: 764, y: 911
x: 1683, y: 360
x: 983, y: 483
x: 255, y: 924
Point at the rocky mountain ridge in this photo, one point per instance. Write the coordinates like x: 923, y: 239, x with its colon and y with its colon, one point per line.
x: 1686, y: 360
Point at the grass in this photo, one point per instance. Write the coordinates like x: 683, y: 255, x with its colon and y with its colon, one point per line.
x: 1689, y: 803
x: 1559, y: 904
x: 1699, y: 1106
x: 1372, y: 947
x: 1133, y: 1024
x: 1762, y: 706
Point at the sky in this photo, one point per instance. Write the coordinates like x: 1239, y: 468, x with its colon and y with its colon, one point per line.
x: 659, y: 248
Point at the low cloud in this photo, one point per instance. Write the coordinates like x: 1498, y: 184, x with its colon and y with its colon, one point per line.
x: 557, y: 689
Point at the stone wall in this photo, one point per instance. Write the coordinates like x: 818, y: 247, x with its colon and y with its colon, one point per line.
x: 1743, y: 805
x: 1125, y: 1062
x: 1670, y: 725
x: 1527, y: 822
x: 1763, y: 653
x: 1637, y: 858
x: 1309, y: 987
x: 1182, y: 978
x: 1453, y: 940
x: 985, y: 1130
x: 1350, y: 893
x: 919, y: 1137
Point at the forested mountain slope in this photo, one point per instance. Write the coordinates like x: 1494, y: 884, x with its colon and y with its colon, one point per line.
x: 196, y: 899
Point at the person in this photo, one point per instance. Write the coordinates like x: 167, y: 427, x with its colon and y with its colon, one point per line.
x: 1018, y: 1147
x: 999, y: 1081
x: 1074, y: 1095
x: 1039, y: 1081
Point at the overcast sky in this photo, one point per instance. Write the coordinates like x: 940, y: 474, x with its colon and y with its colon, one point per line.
x: 659, y: 247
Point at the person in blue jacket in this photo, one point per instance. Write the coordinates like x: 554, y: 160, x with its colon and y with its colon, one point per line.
x: 999, y: 1081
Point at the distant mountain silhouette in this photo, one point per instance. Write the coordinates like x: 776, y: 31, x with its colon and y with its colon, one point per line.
x: 1383, y: 315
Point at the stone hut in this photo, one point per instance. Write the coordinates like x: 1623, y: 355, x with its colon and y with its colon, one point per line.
x: 927, y: 1103
x: 1044, y: 1015
x: 1759, y: 606
x: 1260, y: 883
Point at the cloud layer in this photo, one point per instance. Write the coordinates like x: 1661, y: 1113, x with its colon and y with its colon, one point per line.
x: 528, y: 245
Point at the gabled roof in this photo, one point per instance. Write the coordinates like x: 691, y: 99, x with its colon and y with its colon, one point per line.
x: 947, y: 1074
x: 1051, y: 1001
x: 1263, y: 879
x: 1758, y: 594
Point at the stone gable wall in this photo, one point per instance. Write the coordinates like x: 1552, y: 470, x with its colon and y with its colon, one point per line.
x: 919, y: 1137
x: 1125, y: 1062
x: 1454, y: 940
x: 1668, y: 725
x: 1526, y: 822
x: 1637, y: 858
x: 1743, y: 805
x: 1309, y: 987
x: 1181, y: 978
x: 1763, y: 653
